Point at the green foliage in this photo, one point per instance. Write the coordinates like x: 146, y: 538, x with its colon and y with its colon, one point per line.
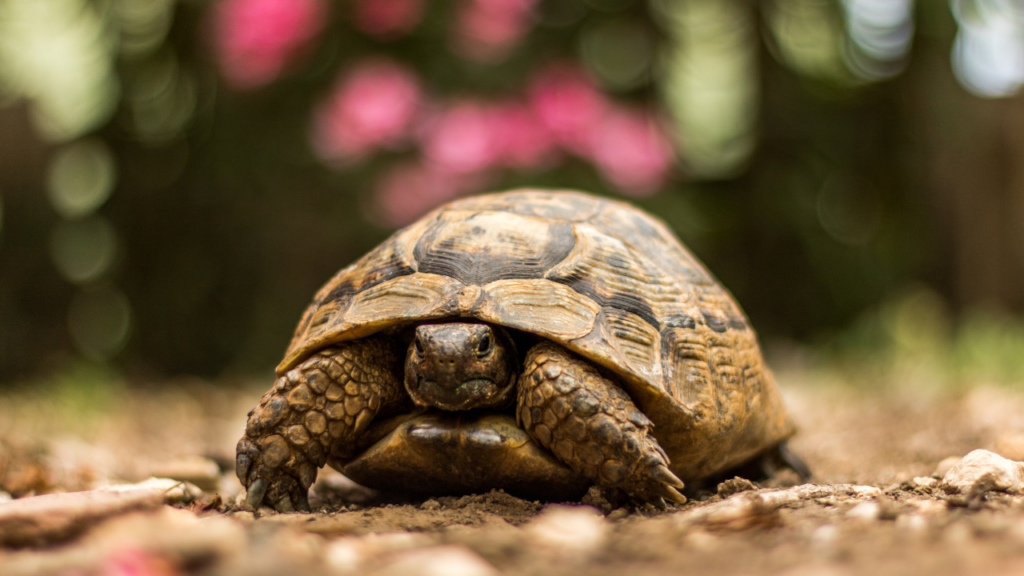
x: 913, y: 341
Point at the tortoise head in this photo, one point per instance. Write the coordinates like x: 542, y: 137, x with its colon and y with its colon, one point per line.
x: 459, y: 366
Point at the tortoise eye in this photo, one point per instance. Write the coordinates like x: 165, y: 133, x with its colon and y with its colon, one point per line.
x: 418, y: 346
x: 485, y: 345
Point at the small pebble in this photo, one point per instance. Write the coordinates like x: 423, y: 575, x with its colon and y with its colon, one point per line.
x: 864, y: 511
x: 701, y: 540
x: 735, y: 486
x: 929, y: 507
x: 982, y: 471
x: 431, y: 505
x: 439, y: 561
x: 912, y: 523
x: 925, y: 482
x: 570, y: 528
x: 824, y: 535
x: 344, y: 555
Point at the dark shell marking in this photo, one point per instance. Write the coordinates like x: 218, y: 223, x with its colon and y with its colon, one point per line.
x: 600, y: 277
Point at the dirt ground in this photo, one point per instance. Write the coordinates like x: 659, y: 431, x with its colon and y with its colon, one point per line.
x: 874, y: 506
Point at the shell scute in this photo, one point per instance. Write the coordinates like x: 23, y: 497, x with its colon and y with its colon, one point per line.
x: 480, y: 247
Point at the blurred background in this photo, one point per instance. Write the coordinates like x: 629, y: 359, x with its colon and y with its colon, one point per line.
x: 177, y: 177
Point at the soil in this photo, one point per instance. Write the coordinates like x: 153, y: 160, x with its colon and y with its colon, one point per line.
x: 876, y: 503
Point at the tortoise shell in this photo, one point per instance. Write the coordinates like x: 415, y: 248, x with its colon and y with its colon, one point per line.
x: 597, y: 276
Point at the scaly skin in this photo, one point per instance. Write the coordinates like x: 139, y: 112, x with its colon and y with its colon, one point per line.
x: 314, y: 408
x: 591, y: 425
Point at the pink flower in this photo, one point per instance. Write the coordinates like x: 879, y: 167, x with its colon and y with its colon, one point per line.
x: 388, y: 18
x: 569, y: 106
x: 256, y: 39
x: 631, y: 152
x: 460, y: 139
x: 374, y: 106
x: 488, y: 29
x: 521, y: 140
x: 408, y: 191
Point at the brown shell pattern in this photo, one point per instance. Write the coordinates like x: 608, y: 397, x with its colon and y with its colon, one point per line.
x: 600, y: 277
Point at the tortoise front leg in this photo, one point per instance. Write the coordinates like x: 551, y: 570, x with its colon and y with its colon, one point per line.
x: 592, y: 425
x: 313, y: 410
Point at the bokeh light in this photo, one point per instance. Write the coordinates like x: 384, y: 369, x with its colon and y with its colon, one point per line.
x: 58, y: 55
x: 100, y: 320
x: 81, y: 178
x: 568, y: 104
x: 631, y: 151
x: 711, y: 83
x: 458, y: 139
x: 487, y: 30
x: 372, y: 106
x: 83, y: 250
x: 808, y: 37
x: 388, y: 19
x: 848, y: 209
x: 257, y: 39
x: 988, y: 54
x: 521, y: 140
x: 144, y: 25
x: 880, y: 34
x: 161, y: 98
x: 619, y: 51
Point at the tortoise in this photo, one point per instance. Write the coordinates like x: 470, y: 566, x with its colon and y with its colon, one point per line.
x: 534, y: 341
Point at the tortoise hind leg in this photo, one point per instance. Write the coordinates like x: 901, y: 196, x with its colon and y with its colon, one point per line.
x: 780, y: 458
x: 591, y: 425
x: 314, y: 409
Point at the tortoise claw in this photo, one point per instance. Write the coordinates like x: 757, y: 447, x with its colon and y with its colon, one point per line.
x: 669, y: 493
x: 254, y: 496
x: 662, y: 474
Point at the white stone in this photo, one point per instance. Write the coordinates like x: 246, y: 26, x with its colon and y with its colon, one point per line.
x: 344, y: 555
x: 746, y: 509
x: 174, y: 491
x: 701, y: 540
x: 925, y: 481
x: 981, y: 471
x: 572, y: 528
x: 911, y: 522
x: 438, y: 561
x: 824, y: 535
x: 865, y: 511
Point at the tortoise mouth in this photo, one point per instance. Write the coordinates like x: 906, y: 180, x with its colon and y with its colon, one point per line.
x: 472, y: 393
x: 460, y: 453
